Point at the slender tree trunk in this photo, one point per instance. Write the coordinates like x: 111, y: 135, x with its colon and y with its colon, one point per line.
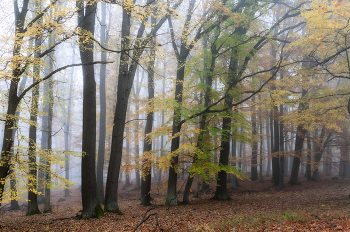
x: 137, y: 125
x: 271, y: 144
x: 261, y: 178
x: 103, y: 117
x: 221, y: 188
x: 162, y: 137
x: 32, y: 181
x: 67, y: 130
x: 281, y: 149
x: 203, y: 119
x: 276, y: 149
x: 47, y: 203
x: 308, y: 162
x: 254, y: 165
x: 125, y: 81
x: 147, y: 143
x: 171, y: 198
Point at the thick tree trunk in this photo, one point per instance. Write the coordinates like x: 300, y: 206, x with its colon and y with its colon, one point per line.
x: 91, y: 207
x: 299, y: 142
x: 123, y: 92
x: 13, y: 182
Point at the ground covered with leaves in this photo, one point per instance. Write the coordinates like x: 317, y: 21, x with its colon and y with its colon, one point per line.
x: 255, y: 206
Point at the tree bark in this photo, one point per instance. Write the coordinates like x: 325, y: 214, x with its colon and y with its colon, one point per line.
x: 147, y: 143
x: 33, y: 172
x: 254, y: 165
x: 299, y: 142
x: 103, y: 117
x: 281, y: 150
x: 125, y: 81
x: 86, y: 22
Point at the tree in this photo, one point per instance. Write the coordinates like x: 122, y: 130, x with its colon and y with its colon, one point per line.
x: 32, y: 180
x: 102, y: 132
x: 127, y: 70
x: 26, y: 27
x: 86, y: 24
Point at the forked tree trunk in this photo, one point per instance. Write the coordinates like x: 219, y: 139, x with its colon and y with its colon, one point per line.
x: 125, y: 81
x: 203, y: 119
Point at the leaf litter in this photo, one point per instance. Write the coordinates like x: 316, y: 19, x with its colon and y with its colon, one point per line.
x: 255, y: 206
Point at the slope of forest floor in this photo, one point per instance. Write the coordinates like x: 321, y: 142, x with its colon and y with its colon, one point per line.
x: 255, y: 206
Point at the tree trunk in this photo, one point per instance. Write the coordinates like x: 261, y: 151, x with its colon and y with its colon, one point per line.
x: 13, y: 182
x: 181, y: 56
x: 147, y: 143
x: 281, y: 149
x: 90, y: 202
x: 32, y: 181
x: 67, y: 130
x: 125, y: 81
x: 261, y: 178
x: 299, y: 142
x: 254, y: 165
x: 102, y: 132
x: 47, y: 203
x: 203, y: 119
x: 276, y: 149
x: 308, y: 162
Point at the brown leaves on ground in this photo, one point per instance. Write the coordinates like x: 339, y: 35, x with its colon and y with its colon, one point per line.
x: 312, y: 206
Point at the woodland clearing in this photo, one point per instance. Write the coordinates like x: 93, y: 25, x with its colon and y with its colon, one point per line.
x: 255, y: 206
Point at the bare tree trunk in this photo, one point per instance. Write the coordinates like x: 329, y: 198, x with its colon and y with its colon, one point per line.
x: 254, y: 163
x: 261, y: 178
x: 90, y: 202
x: 102, y: 132
x: 67, y: 129
x: 299, y: 143
x: 281, y: 149
x: 276, y: 149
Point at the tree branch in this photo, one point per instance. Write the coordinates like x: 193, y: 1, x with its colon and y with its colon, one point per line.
x: 54, y: 72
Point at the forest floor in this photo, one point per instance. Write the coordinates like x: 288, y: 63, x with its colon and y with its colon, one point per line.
x: 255, y: 206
